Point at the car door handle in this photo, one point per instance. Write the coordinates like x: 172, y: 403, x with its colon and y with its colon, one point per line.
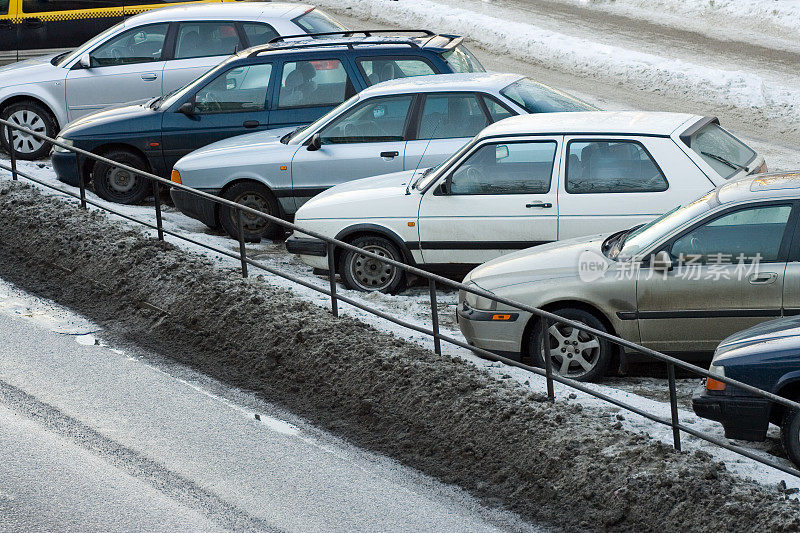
x: 763, y: 278
x: 390, y: 155
x: 150, y: 76
x: 33, y: 22
x: 544, y: 205
x: 251, y: 123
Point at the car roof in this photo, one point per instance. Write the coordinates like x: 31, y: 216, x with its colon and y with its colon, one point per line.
x: 771, y: 185
x: 594, y: 122
x: 466, y: 81
x: 230, y: 10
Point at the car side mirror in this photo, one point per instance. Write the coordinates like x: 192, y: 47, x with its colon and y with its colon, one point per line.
x: 187, y: 108
x: 86, y: 60
x: 661, y: 262
x: 315, y: 143
x: 444, y: 186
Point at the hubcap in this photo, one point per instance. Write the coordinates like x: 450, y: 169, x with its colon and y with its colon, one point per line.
x: 251, y: 222
x: 26, y: 143
x: 371, y: 274
x: 573, y: 353
x: 121, y: 181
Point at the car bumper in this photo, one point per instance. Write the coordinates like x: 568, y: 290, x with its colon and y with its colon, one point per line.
x: 312, y: 252
x: 66, y: 166
x: 196, y: 207
x: 742, y: 417
x: 483, y: 330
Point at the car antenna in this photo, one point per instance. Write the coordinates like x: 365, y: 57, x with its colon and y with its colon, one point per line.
x: 408, y: 187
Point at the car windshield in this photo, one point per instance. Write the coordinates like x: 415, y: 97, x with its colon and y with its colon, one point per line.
x: 461, y: 59
x: 63, y: 59
x: 297, y: 134
x: 726, y: 154
x: 631, y: 242
x: 315, y: 21
x: 536, y: 97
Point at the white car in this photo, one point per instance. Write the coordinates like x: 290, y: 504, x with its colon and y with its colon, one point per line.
x: 522, y: 181
x: 145, y: 56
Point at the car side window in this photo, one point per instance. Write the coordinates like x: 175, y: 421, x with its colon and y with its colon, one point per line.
x: 235, y: 90
x: 137, y: 45
x: 314, y: 83
x: 259, y: 33
x: 4, y: 7
x: 496, y: 110
x: 376, y: 120
x: 612, y: 167
x: 450, y: 116
x: 206, y: 39
x: 506, y: 168
x: 753, y: 234
x: 385, y: 69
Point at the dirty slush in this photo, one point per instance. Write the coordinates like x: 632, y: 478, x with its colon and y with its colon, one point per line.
x: 561, y: 465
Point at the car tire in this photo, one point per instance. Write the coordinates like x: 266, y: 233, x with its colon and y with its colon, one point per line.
x: 574, y: 354
x: 35, y: 117
x: 257, y: 196
x: 120, y: 186
x: 790, y: 434
x: 363, y: 273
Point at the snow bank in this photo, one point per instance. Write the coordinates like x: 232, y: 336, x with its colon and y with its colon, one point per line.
x: 582, y: 56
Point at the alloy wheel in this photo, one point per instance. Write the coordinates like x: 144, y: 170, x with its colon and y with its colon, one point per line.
x: 25, y: 143
x: 573, y: 352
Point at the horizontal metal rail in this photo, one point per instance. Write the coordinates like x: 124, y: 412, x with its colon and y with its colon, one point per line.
x: 433, y: 279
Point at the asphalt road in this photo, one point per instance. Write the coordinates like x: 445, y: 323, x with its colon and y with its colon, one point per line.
x: 94, y: 439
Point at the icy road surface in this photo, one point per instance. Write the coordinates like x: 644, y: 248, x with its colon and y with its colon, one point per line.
x: 96, y: 439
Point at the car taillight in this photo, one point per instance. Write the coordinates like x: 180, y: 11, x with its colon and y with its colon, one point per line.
x: 175, y: 176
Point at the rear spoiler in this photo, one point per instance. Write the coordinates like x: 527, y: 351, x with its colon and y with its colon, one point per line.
x: 686, y: 136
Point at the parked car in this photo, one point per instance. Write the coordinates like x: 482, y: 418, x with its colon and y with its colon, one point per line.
x: 394, y: 125
x: 34, y: 27
x: 523, y: 181
x: 679, y: 284
x: 766, y: 356
x: 277, y: 85
x: 143, y: 57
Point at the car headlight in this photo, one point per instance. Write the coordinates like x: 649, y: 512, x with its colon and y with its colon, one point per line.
x: 713, y: 384
x: 62, y: 150
x: 479, y: 302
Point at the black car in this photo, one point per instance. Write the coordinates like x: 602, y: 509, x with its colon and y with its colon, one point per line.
x: 282, y: 84
x: 766, y: 356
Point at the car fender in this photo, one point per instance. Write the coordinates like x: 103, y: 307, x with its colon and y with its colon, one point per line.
x: 787, y: 379
x: 53, y: 97
x: 380, y: 230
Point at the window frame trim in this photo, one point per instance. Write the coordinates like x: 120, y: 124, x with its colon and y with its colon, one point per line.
x: 164, y: 47
x: 410, y: 113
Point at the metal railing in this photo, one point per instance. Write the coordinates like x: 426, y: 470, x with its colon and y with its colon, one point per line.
x: 546, y: 318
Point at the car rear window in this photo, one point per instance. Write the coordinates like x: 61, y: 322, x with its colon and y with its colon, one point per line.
x: 315, y: 21
x: 461, y: 59
x: 536, y: 97
x: 726, y: 154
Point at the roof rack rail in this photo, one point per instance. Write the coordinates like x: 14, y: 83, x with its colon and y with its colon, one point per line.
x: 348, y: 33
x: 256, y: 50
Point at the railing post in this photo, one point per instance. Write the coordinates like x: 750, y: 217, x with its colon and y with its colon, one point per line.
x: 242, y: 251
x: 437, y: 343
x: 157, y: 197
x: 548, y: 364
x: 332, y: 278
x: 673, y: 402
x: 81, y: 187
x: 12, y: 153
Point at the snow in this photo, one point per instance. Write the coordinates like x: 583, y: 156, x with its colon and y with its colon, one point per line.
x: 588, y: 57
x: 413, y: 306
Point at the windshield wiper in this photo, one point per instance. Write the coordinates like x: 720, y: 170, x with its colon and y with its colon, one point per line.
x: 724, y: 161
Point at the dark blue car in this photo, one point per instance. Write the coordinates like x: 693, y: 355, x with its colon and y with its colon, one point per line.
x: 766, y: 356
x: 278, y: 85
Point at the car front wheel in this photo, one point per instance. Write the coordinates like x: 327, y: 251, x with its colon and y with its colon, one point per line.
x: 790, y: 434
x: 256, y: 196
x: 34, y: 117
x: 115, y: 184
x: 363, y: 273
x: 574, y: 353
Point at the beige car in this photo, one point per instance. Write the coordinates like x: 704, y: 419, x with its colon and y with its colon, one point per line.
x: 679, y: 284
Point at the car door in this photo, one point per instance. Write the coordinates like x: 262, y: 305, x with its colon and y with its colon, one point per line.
x: 61, y: 24
x: 232, y: 103
x: 500, y: 197
x: 199, y: 45
x: 728, y: 274
x: 614, y: 183
x: 8, y: 32
x: 310, y: 88
x: 367, y: 140
x: 124, y: 68
x: 446, y: 122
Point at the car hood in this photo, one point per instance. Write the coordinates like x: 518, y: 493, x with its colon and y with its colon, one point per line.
x: 250, y: 148
x: 123, y: 118
x: 32, y: 70
x: 774, y: 335
x: 562, y: 259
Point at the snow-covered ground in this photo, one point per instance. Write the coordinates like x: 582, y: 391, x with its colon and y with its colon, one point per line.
x: 413, y: 306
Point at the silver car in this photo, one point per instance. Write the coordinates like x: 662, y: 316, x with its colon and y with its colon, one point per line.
x: 678, y: 284
x: 145, y: 56
x: 402, y: 124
